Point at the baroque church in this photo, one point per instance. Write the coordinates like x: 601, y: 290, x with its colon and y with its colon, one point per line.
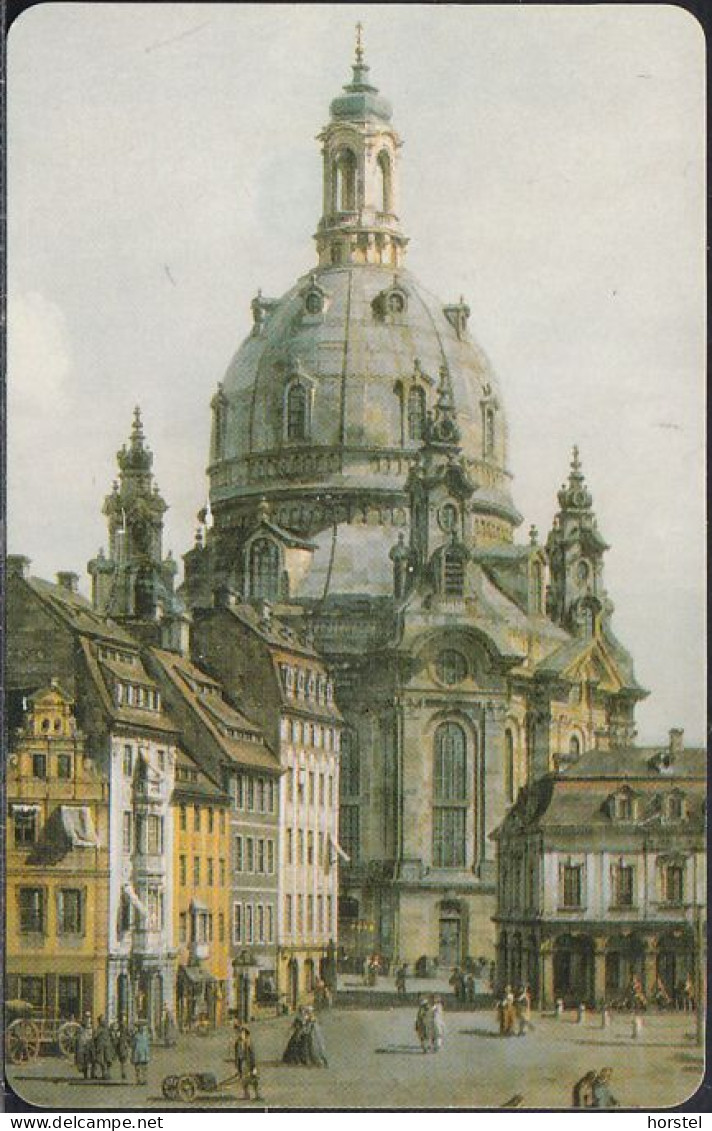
x: 360, y: 492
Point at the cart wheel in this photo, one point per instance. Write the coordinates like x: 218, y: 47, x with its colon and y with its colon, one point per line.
x: 187, y: 1088
x: 169, y: 1087
x: 22, y: 1041
x: 67, y: 1038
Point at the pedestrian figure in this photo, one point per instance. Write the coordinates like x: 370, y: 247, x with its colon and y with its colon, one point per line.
x: 581, y: 1014
x: 122, y: 1045
x: 470, y: 989
x: 314, y: 1042
x: 246, y: 1063
x: 295, y: 1052
x: 637, y: 1028
x: 602, y: 1095
x: 458, y: 983
x: 688, y: 995
x: 437, y: 1014
x: 582, y: 1095
x: 168, y: 1028
x: 400, y: 980
x: 559, y: 1009
x: 103, y: 1050
x: 84, y: 1049
x: 605, y: 1016
x: 140, y: 1052
x: 506, y: 1013
x: 422, y: 1024
x: 523, y: 1010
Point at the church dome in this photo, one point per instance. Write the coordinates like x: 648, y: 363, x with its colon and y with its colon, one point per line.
x: 362, y: 360
x: 325, y: 406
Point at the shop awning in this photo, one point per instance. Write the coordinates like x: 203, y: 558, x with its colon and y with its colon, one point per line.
x: 79, y: 826
x: 339, y: 850
x: 195, y: 975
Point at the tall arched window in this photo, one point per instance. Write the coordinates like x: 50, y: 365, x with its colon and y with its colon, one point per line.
x: 344, y: 182
x: 383, y: 198
x: 449, y: 796
x: 489, y: 432
x: 264, y: 569
x: 416, y: 413
x: 574, y: 746
x: 509, y: 770
x: 350, y: 766
x: 297, y: 412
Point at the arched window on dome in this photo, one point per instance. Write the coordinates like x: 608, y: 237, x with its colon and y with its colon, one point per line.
x: 297, y: 422
x: 416, y: 413
x: 344, y: 182
x: 449, y: 796
x: 489, y: 432
x: 264, y: 569
x: 384, y: 183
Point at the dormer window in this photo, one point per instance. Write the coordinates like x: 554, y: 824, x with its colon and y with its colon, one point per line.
x: 624, y: 806
x: 264, y: 569
x: 390, y: 305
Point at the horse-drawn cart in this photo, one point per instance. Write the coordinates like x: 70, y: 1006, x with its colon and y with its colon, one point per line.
x: 28, y: 1031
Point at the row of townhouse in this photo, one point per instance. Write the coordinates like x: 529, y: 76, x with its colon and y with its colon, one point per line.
x: 172, y: 833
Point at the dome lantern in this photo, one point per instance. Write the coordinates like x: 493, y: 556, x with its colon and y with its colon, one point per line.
x: 360, y: 151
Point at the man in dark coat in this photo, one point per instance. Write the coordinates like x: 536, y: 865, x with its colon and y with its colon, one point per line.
x: 103, y: 1049
x: 84, y: 1049
x: 602, y: 1095
x: 246, y: 1062
x: 122, y: 1044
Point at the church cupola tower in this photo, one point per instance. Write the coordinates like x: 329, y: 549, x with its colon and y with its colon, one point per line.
x: 360, y: 151
x: 577, y: 596
x: 134, y: 581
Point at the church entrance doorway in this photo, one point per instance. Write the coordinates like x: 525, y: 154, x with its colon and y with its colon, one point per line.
x: 450, y: 940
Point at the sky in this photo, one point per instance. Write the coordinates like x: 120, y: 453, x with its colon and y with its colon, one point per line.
x: 163, y: 165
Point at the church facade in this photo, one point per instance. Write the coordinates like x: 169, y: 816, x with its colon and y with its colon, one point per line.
x: 360, y: 490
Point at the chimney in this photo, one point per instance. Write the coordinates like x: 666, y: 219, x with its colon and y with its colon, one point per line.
x: 17, y: 565
x: 68, y: 580
x: 676, y: 737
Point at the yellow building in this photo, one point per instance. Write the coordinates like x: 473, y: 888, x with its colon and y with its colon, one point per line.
x: 57, y: 853
x: 201, y: 846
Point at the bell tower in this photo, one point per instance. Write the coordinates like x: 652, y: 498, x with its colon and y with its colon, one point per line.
x: 360, y: 152
x: 577, y: 595
x: 134, y: 581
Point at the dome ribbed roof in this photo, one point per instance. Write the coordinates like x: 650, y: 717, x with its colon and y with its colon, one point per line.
x: 353, y: 360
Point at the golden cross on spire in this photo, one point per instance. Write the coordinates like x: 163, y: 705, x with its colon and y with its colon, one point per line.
x: 359, y: 44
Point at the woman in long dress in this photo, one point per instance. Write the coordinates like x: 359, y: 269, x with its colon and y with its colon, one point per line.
x: 295, y: 1050
x: 314, y: 1042
x: 438, y: 1023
